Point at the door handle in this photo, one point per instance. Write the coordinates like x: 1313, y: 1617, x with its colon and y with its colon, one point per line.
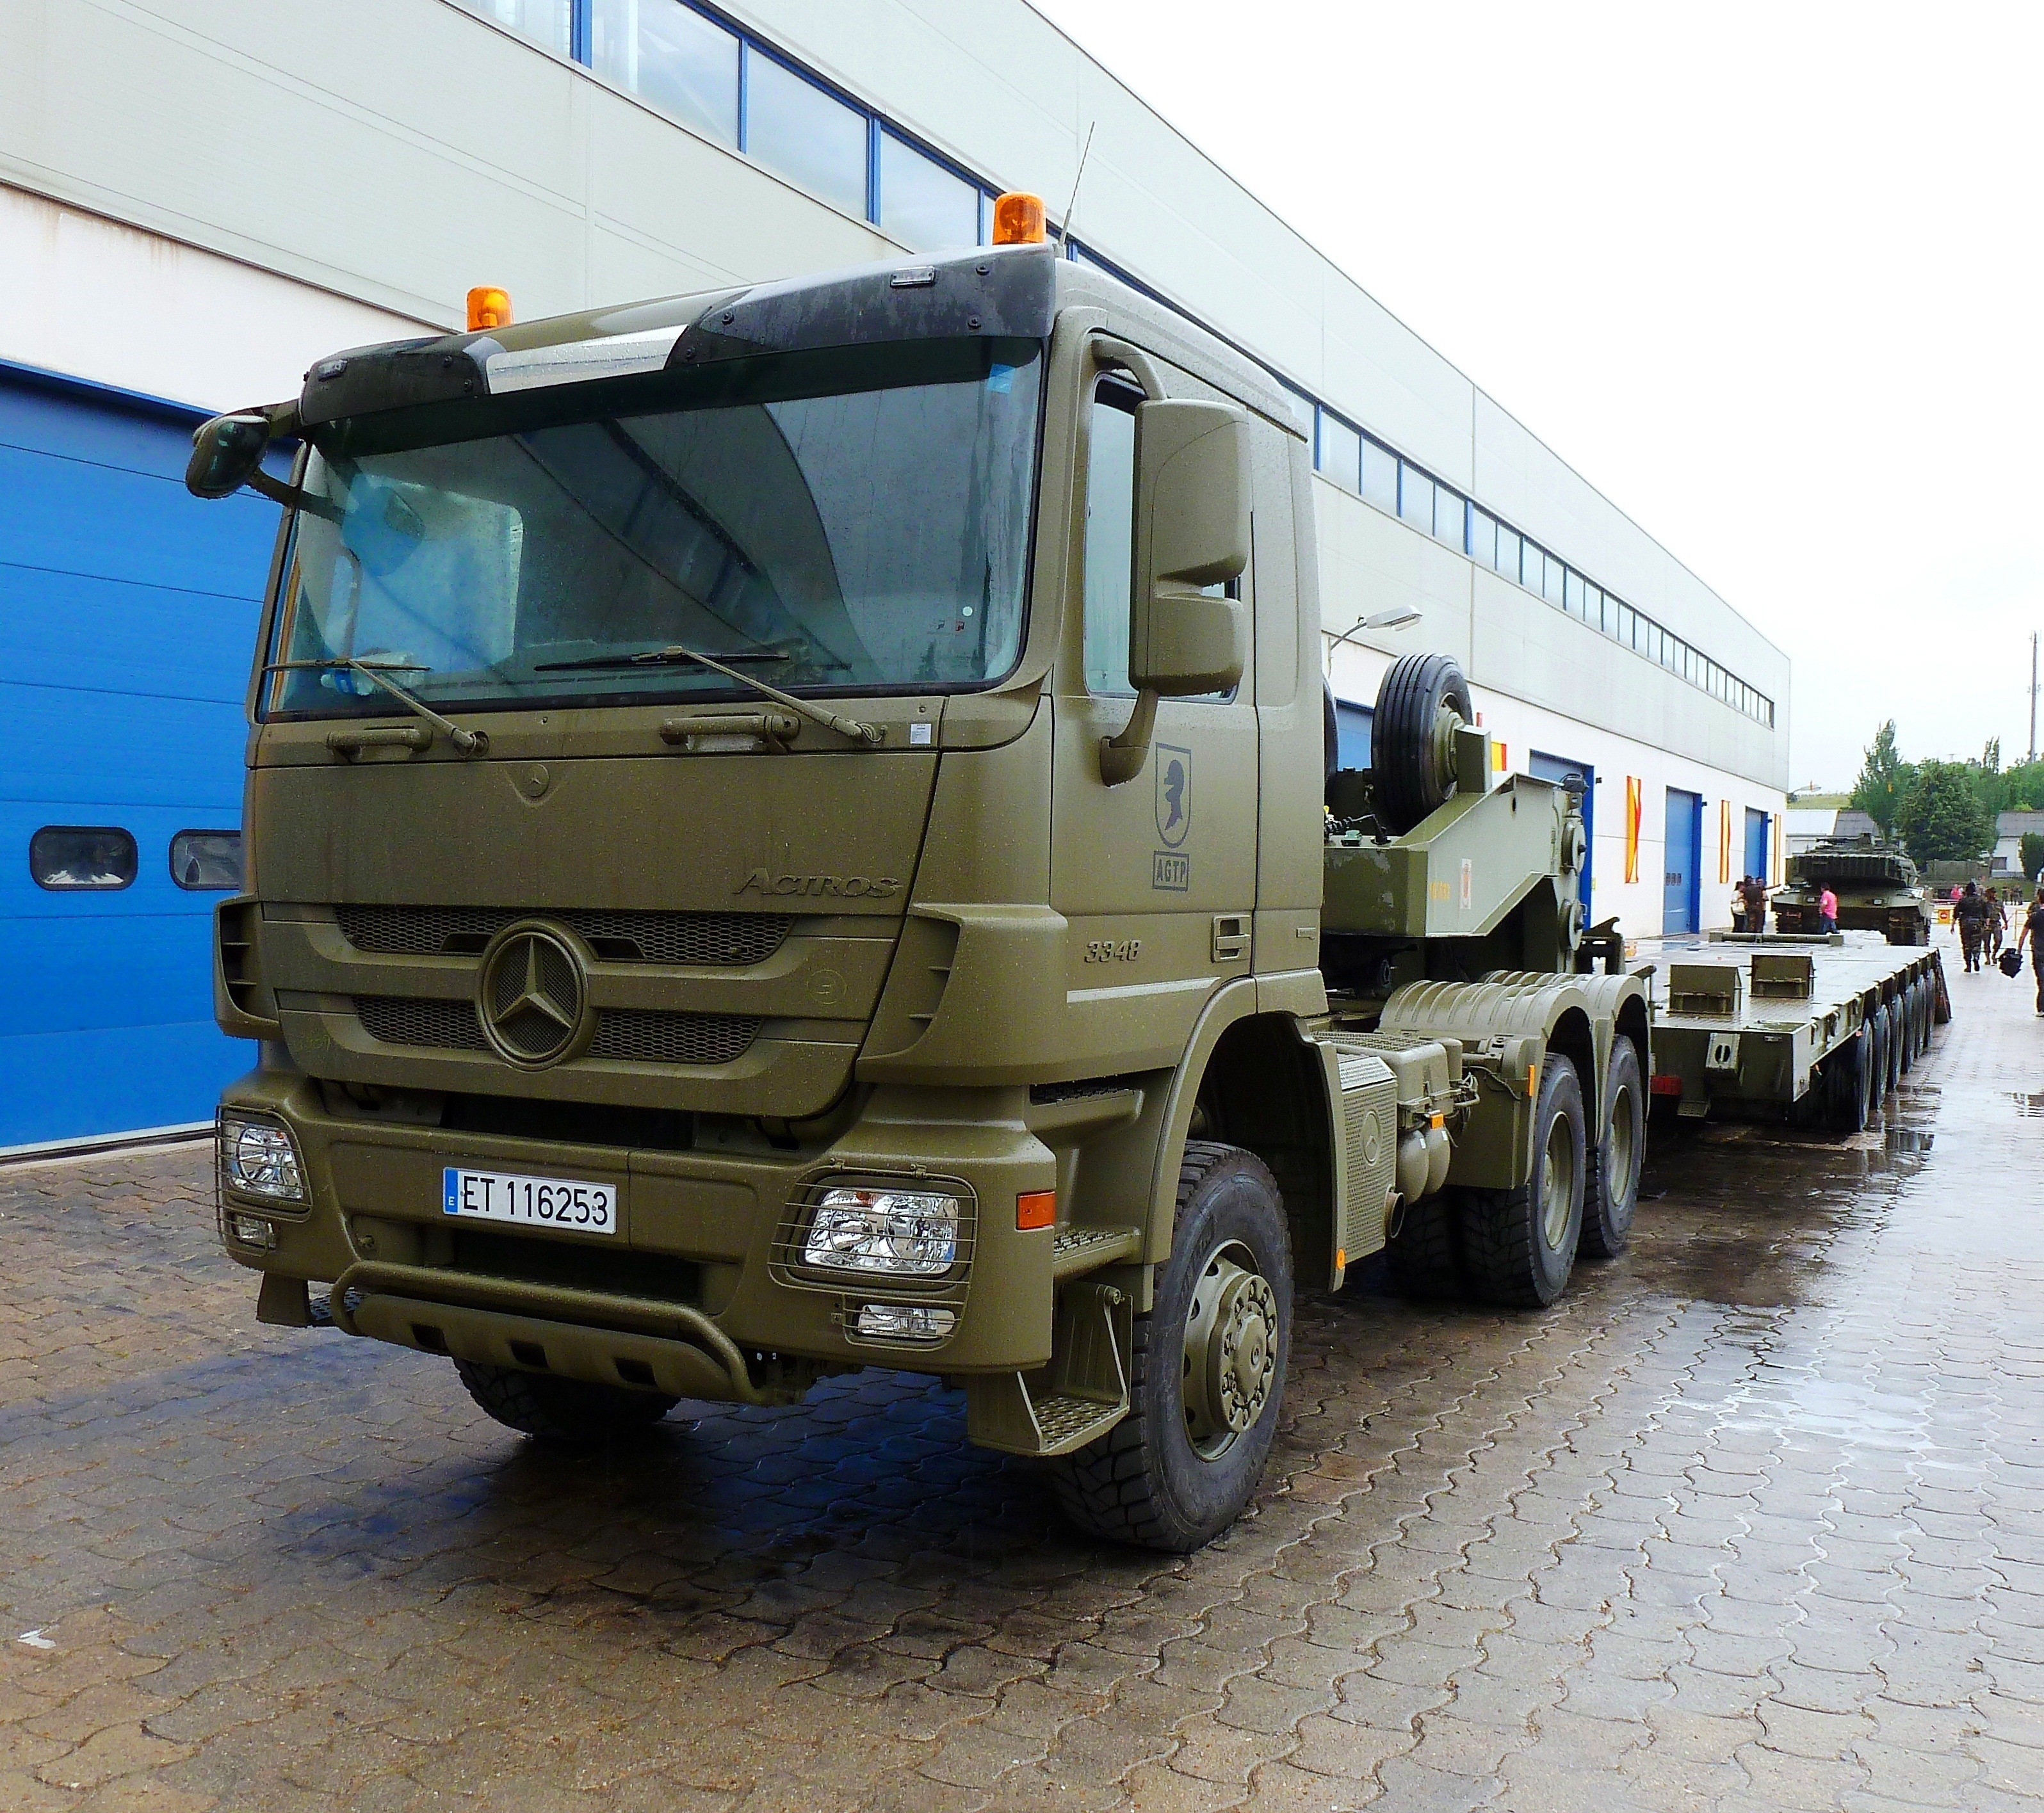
x: 1230, y: 937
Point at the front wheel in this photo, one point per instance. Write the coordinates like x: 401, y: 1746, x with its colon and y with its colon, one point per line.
x: 1207, y: 1372
x: 568, y: 1411
x: 1519, y: 1246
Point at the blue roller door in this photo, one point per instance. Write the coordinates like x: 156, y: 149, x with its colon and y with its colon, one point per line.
x: 1682, y: 898
x: 127, y: 611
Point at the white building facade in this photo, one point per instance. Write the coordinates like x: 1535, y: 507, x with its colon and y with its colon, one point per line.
x: 195, y: 203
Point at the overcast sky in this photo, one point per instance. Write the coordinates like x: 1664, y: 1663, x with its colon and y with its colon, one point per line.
x: 1767, y: 276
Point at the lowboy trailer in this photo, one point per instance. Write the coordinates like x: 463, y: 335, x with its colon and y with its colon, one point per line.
x: 1813, y: 1029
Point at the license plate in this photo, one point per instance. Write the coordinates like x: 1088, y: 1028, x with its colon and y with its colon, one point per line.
x: 559, y: 1202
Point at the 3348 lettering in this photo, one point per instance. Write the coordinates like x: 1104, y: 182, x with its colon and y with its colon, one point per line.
x: 1113, y: 950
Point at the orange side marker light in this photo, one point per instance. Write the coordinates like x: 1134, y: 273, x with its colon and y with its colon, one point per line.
x: 488, y: 307
x: 1018, y: 220
x: 1036, y: 1208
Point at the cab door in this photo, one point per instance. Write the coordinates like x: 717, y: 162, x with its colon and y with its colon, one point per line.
x: 1157, y: 876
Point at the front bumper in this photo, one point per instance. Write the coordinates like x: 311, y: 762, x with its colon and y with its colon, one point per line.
x: 706, y: 1264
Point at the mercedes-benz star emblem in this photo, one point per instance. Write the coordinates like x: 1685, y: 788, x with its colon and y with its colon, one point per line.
x: 532, y: 997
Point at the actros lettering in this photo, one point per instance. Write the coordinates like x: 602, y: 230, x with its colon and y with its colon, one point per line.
x: 846, y: 887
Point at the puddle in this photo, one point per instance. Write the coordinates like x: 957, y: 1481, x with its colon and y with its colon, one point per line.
x: 2031, y: 1104
x: 1908, y: 1139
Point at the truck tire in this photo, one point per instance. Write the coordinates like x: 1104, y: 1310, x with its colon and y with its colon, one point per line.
x: 1611, y: 1192
x: 1412, y: 763
x: 1176, y: 1470
x: 1941, y: 998
x: 1849, y: 1085
x: 1519, y: 1246
x: 569, y: 1412
x: 1898, y: 1036
x: 1421, y: 1258
x: 1876, y: 1058
x: 1906, y: 1005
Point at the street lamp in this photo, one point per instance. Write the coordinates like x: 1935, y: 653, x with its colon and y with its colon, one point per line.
x: 1402, y: 618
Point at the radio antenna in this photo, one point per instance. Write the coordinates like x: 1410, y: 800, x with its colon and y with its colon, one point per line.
x: 1071, y: 207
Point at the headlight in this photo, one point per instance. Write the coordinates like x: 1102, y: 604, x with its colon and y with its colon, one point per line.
x: 258, y: 1158
x: 906, y: 1321
x: 907, y: 1233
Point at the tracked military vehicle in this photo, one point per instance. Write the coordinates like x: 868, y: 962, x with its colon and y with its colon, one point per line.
x: 791, y: 831
x: 1877, y: 886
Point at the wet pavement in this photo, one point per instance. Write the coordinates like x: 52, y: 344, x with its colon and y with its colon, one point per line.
x: 1754, y: 1518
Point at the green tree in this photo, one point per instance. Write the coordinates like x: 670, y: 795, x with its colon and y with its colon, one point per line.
x: 2032, y: 856
x: 1941, y: 818
x: 1884, y: 778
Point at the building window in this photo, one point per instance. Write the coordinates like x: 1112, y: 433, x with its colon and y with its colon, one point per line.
x: 671, y: 55
x: 64, y: 857
x: 207, y: 861
x: 1508, y: 553
x: 1451, y: 523
x: 549, y: 24
x: 1482, y: 537
x: 922, y: 205
x: 810, y: 137
x: 1340, y: 452
x: 1415, y: 497
x: 1380, y: 477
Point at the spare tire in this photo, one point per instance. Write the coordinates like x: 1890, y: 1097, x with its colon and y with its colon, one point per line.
x: 1411, y: 744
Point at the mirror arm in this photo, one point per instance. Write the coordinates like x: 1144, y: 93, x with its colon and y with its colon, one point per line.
x: 1122, y: 757
x: 1123, y: 357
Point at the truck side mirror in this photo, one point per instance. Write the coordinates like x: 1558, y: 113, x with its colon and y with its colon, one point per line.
x: 1192, y: 534
x: 226, y: 452
x: 1192, y: 531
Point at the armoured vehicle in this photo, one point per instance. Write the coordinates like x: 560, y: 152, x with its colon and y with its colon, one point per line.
x: 1877, y: 886
x: 789, y: 831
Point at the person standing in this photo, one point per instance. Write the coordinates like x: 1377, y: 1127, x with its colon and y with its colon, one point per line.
x: 1827, y: 911
x: 1739, y: 920
x: 2032, y: 930
x: 1997, y: 923
x: 1971, y: 914
x: 1754, y: 891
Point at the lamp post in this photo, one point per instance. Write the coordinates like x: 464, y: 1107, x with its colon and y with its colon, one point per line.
x: 1403, y: 618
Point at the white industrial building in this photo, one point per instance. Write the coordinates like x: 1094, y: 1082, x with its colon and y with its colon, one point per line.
x: 196, y: 202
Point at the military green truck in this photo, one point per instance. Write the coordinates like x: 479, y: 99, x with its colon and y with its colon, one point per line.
x: 1877, y: 886
x: 795, y: 829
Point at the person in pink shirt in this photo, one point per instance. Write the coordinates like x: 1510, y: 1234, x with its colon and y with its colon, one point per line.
x: 1827, y: 912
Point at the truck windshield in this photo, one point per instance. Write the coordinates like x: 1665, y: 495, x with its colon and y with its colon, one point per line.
x: 840, y: 523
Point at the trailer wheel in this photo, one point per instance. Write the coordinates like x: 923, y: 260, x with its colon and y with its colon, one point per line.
x: 1611, y: 1192
x: 1849, y: 1084
x: 1876, y: 1058
x: 1411, y: 743
x: 1206, y: 1374
x: 1941, y: 998
x: 570, y: 1412
x: 1907, y: 1019
x: 1520, y: 1245
x: 1422, y: 1258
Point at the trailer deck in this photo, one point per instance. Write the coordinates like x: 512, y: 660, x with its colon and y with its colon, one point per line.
x: 1789, y: 1026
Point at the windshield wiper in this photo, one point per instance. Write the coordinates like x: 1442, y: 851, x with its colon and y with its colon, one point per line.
x: 674, y: 654
x: 658, y: 658
x: 468, y: 742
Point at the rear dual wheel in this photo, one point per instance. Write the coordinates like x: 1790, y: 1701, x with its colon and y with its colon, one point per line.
x: 1519, y: 1246
x: 1610, y: 1193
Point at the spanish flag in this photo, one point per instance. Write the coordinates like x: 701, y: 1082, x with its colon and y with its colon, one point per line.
x: 1634, y: 801
x: 1724, y: 841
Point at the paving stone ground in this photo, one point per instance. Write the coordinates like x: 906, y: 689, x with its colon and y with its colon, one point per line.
x: 1753, y: 1519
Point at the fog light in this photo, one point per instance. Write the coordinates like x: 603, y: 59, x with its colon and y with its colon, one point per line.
x: 258, y: 1158
x: 251, y: 1231
x: 908, y: 1233
x: 906, y: 1321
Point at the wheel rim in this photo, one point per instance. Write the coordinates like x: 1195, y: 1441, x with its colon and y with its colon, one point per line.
x: 1558, y: 1183
x: 1619, y: 1184
x: 1231, y: 1357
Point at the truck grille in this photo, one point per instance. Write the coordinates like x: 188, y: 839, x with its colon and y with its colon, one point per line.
x: 627, y: 1035
x: 616, y: 936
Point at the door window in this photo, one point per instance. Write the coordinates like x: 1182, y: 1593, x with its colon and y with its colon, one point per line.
x: 63, y: 857
x: 1110, y: 533
x: 1110, y: 542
